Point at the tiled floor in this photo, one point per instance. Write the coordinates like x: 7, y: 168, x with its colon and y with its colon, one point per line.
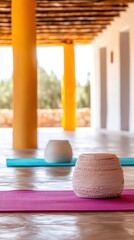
x: 63, y: 226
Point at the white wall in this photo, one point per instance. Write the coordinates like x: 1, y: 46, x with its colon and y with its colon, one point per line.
x: 110, y: 38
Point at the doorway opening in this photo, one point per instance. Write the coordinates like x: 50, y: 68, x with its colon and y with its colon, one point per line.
x: 124, y: 80
x: 103, y: 87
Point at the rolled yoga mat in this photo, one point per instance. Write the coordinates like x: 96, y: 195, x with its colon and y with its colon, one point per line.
x: 39, y: 162
x: 61, y: 201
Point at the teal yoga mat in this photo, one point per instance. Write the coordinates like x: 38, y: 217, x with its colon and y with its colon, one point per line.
x: 36, y: 162
x: 127, y: 161
x: 39, y: 162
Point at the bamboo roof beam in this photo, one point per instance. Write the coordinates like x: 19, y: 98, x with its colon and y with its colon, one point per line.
x: 63, y: 20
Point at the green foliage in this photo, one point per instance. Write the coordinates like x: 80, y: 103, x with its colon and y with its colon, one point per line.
x: 49, y: 92
x: 83, y: 95
x: 6, y: 94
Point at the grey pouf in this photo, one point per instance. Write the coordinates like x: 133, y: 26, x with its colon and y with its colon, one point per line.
x: 58, y: 151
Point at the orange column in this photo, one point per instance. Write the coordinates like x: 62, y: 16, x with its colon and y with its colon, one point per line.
x: 25, y: 74
x: 69, y: 89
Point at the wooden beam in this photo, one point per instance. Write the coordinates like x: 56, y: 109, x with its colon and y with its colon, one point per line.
x: 92, y: 10
x: 52, y: 42
x: 43, y: 28
x: 66, y: 36
x: 72, y: 8
x: 65, y: 15
x: 87, y: 1
x: 77, y: 27
x: 84, y: 2
x: 75, y: 7
x: 72, y: 20
x: 74, y: 23
x: 79, y: 24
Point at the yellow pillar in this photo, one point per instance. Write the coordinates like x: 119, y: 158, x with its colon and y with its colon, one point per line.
x: 69, y: 89
x: 25, y: 74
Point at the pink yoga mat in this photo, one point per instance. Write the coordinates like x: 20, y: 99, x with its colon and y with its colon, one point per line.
x: 61, y: 201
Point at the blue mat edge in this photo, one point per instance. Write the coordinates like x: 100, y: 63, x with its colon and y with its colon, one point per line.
x: 24, y: 162
x: 32, y: 162
x: 127, y: 161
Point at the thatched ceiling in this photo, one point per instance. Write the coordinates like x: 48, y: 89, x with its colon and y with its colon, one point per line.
x: 65, y: 20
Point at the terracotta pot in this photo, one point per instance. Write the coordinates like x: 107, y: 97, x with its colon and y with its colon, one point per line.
x: 58, y: 151
x: 98, y: 176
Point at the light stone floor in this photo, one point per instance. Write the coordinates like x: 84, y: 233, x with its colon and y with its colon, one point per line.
x: 63, y: 226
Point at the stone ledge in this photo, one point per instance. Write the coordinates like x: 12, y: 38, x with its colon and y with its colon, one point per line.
x: 47, y: 117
